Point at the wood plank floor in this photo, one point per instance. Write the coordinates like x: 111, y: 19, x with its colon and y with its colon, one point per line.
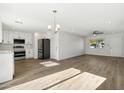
x: 111, y: 68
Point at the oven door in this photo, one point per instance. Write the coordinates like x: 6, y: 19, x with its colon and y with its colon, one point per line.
x: 19, y: 55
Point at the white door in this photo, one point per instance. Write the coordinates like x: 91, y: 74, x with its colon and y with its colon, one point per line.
x: 115, y: 44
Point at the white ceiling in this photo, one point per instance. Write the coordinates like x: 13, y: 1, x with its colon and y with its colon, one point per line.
x: 80, y: 19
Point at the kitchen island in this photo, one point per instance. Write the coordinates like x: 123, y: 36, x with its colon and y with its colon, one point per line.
x: 6, y: 65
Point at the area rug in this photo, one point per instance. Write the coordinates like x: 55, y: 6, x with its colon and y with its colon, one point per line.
x: 49, y: 63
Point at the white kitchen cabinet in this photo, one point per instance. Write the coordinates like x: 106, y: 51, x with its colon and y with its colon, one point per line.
x: 15, y: 35
x: 1, y: 35
x: 29, y: 51
x: 7, y: 37
x: 10, y: 37
x: 18, y: 35
x: 21, y: 35
x: 28, y: 38
x: 6, y: 66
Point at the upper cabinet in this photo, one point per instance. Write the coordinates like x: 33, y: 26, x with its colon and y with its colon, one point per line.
x: 18, y: 35
x: 1, y: 35
x: 28, y: 38
x: 9, y: 36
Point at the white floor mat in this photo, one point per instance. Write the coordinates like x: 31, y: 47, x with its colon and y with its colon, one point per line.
x: 49, y: 64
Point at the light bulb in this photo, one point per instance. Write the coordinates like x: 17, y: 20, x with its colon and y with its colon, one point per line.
x: 57, y: 27
x: 94, y: 35
x: 49, y: 27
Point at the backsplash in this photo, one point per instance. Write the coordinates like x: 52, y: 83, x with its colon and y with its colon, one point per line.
x: 6, y: 47
x: 10, y: 46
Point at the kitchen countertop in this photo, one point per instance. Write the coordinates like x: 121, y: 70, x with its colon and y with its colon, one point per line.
x: 6, y: 52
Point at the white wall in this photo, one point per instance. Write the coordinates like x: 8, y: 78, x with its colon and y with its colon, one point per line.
x: 1, y: 36
x: 62, y: 44
x: 35, y: 43
x: 54, y: 46
x: 122, y: 44
x: 70, y: 45
x: 113, y: 45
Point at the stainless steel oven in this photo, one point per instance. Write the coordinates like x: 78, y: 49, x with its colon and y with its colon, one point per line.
x: 19, y: 52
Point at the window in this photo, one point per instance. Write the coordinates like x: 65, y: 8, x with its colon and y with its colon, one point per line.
x: 96, y: 43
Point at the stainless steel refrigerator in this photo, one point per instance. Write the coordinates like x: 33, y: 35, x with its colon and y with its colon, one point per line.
x: 44, y: 48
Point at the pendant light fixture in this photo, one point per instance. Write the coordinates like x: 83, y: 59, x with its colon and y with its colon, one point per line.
x: 56, y: 27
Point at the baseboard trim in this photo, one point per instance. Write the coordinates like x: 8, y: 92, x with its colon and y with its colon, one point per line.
x: 71, y: 57
x: 103, y: 56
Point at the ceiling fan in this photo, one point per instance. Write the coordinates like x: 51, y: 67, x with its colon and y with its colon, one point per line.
x: 97, y: 33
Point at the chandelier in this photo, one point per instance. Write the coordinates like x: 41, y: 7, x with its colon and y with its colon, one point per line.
x: 56, y: 27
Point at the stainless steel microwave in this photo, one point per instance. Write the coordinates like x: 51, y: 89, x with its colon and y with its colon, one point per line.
x: 19, y: 41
